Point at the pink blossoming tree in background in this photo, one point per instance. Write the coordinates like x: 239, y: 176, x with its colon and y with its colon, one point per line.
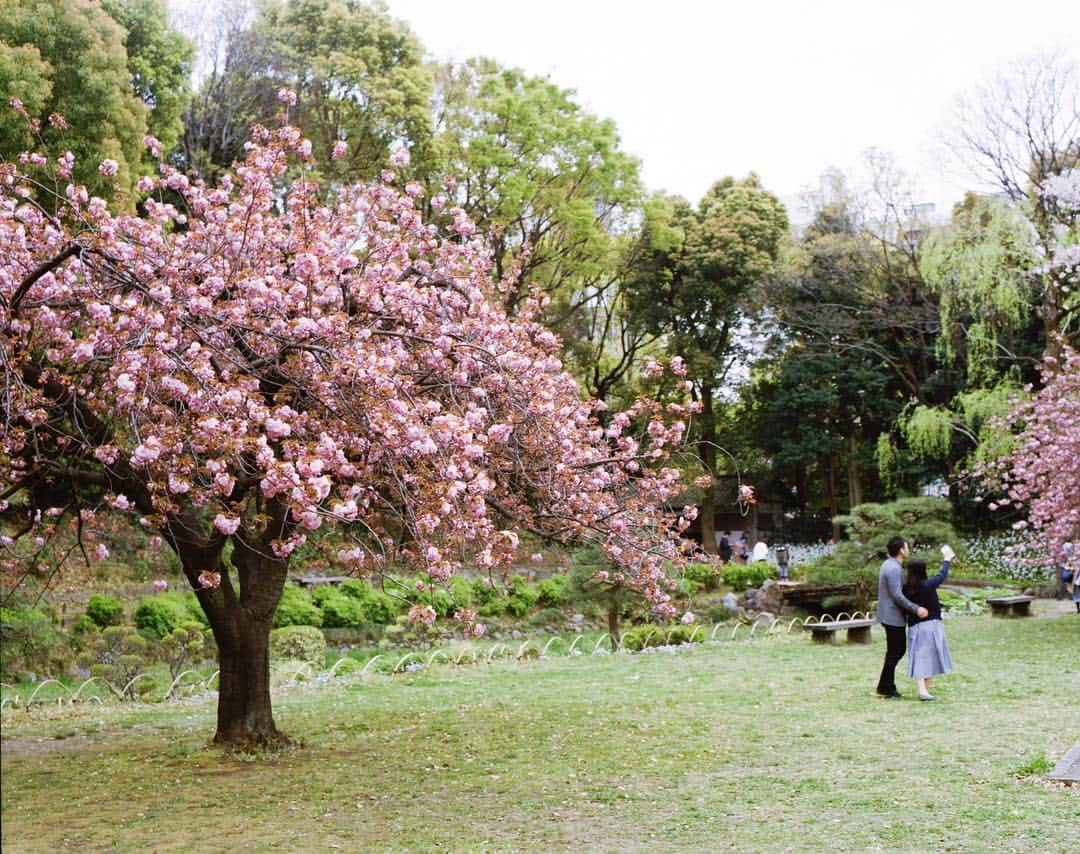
x: 1041, y: 471
x: 1039, y: 468
x: 243, y: 364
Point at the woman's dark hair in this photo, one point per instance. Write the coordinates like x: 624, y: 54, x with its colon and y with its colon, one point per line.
x: 916, y: 572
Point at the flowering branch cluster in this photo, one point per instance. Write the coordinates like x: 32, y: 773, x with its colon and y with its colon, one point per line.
x: 244, y: 362
x: 1042, y: 473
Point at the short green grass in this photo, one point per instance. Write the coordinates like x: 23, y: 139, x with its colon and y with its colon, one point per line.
x: 749, y: 745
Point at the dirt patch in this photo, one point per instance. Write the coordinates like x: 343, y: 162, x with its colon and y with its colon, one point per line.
x: 26, y: 745
x: 1053, y: 608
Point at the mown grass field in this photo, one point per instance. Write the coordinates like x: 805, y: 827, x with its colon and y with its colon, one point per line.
x: 752, y: 745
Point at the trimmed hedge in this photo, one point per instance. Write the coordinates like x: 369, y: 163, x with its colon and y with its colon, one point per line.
x: 741, y: 576
x: 296, y: 608
x: 162, y: 614
x: 105, y: 611
x: 300, y: 643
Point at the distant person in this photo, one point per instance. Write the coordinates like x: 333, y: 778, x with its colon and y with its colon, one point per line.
x: 724, y: 548
x: 761, y: 551
x: 1063, y: 571
x: 741, y: 551
x: 892, y: 605
x: 928, y: 651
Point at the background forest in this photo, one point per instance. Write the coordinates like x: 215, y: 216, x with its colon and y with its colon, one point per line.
x: 857, y: 357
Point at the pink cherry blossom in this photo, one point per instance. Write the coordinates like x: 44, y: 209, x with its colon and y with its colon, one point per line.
x: 226, y: 524
x: 249, y: 378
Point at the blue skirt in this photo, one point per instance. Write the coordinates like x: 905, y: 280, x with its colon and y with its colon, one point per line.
x: 928, y: 651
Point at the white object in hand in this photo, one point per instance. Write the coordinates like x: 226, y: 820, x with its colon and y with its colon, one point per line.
x: 947, y: 552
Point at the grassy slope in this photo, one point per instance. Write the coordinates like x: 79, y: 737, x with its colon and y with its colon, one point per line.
x: 748, y: 745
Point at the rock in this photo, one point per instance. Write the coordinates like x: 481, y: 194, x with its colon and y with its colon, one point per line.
x: 770, y: 597
x: 731, y: 603
x: 578, y: 619
x: 517, y: 634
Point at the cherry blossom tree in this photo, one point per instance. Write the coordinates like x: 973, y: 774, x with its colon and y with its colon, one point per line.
x: 1042, y: 470
x: 1039, y: 468
x: 242, y: 364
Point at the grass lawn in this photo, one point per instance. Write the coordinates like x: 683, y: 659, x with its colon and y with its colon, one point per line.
x: 766, y: 744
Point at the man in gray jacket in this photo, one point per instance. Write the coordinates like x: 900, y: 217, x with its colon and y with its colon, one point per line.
x: 890, y: 613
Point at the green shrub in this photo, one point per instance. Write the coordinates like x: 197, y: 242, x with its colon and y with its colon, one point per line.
x: 118, y: 655
x: 551, y: 592
x: 105, y: 611
x: 418, y: 591
x: 484, y: 592
x: 705, y: 575
x: 685, y: 634
x: 741, y: 576
x: 637, y: 638
x: 686, y: 588
x: 461, y: 588
x: 30, y: 641
x: 181, y: 649
x: 300, y: 643
x: 162, y: 614
x: 377, y: 606
x: 367, y: 634
x: 295, y: 608
x: 493, y: 608
x: 321, y: 592
x: 340, y: 611
x: 84, y: 626
x: 522, y: 598
x: 924, y: 522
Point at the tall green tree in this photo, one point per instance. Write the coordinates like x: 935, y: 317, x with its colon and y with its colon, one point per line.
x: 536, y: 172
x: 851, y: 292
x: 693, y: 286
x: 67, y: 58
x: 358, y: 74
x: 816, y: 415
x: 160, y: 61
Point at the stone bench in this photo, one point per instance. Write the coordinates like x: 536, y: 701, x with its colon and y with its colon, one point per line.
x: 858, y: 631
x: 1010, y: 606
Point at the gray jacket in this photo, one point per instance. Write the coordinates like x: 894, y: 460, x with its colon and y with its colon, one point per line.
x: 890, y: 598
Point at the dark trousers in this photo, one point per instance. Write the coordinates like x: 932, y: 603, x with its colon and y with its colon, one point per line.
x: 895, y: 647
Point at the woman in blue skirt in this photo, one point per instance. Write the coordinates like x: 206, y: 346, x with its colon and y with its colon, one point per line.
x: 928, y: 651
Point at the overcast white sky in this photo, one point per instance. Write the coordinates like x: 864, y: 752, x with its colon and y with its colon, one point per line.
x: 787, y: 88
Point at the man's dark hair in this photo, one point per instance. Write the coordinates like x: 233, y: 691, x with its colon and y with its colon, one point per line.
x: 894, y: 546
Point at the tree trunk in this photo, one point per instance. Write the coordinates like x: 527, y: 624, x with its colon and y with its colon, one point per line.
x: 854, y: 485
x: 244, y: 714
x: 241, y: 622
x: 614, y: 607
x: 708, y: 460
x: 834, y: 500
